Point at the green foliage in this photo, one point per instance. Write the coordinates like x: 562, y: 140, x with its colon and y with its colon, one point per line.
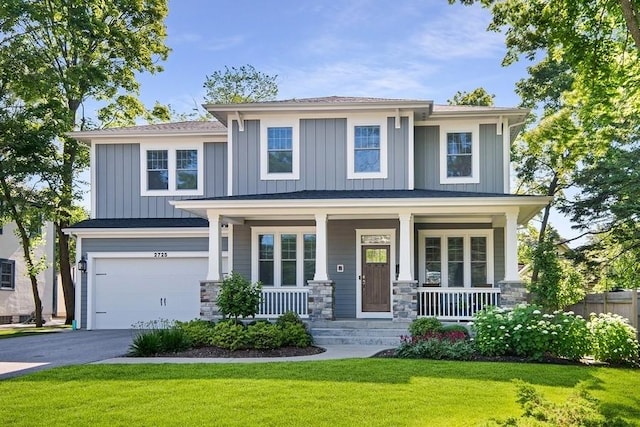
x: 264, y: 335
x: 238, y: 297
x: 424, y: 325
x: 295, y: 335
x: 240, y: 85
x: 478, y: 96
x: 145, y: 345
x: 230, y: 335
x: 526, y: 331
x: 613, y: 339
x: 580, y: 409
x: 436, y: 349
x: 456, y: 328
x: 198, y: 331
x: 158, y: 336
x: 289, y: 317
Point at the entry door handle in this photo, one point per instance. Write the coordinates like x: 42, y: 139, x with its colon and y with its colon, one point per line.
x: 364, y: 281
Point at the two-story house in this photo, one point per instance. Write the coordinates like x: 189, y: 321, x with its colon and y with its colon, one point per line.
x: 344, y: 208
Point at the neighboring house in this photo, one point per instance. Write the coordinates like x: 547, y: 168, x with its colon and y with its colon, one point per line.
x: 16, y: 295
x: 344, y: 208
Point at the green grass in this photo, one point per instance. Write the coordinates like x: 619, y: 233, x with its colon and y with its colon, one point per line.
x: 29, y: 330
x: 360, y: 392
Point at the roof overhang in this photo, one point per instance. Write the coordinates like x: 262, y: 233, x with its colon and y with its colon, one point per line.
x: 116, y: 233
x: 239, y: 210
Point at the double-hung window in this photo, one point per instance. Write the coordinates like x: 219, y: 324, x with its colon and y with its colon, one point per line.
x: 283, y: 257
x: 7, y: 274
x: 171, y: 170
x: 279, y: 149
x: 456, y: 258
x: 367, y: 147
x: 459, y: 153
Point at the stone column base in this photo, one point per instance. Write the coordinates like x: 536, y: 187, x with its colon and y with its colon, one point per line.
x: 405, y: 300
x: 208, y: 296
x: 512, y: 293
x: 321, y: 300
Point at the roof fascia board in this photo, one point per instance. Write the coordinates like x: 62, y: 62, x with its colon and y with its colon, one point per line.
x: 114, y: 233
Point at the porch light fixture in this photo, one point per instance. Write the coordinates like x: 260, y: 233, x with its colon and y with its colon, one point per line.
x: 82, y: 265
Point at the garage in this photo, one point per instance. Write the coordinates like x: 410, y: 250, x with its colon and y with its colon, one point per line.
x: 127, y: 290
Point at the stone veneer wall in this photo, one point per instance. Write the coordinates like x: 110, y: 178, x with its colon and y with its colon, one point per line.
x: 405, y: 300
x: 321, y: 300
x: 512, y: 293
x: 208, y: 296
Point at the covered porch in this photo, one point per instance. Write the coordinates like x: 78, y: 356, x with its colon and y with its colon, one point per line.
x: 368, y: 254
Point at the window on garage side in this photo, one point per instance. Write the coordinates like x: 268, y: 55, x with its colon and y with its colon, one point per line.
x: 186, y: 169
x: 7, y: 274
x: 157, y: 170
x: 284, y: 257
x: 167, y: 170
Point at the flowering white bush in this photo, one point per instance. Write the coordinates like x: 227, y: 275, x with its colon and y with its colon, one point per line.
x: 613, y: 339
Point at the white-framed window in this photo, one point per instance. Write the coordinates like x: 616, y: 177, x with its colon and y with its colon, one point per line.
x: 367, y: 147
x: 459, y: 153
x: 456, y: 258
x: 7, y: 274
x: 279, y: 149
x: 283, y: 256
x: 171, y: 169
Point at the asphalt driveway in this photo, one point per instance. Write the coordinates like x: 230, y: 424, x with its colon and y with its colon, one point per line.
x: 23, y: 355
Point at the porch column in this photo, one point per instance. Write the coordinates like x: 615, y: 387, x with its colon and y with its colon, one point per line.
x: 511, y: 247
x: 406, y: 233
x: 321, y: 248
x: 214, y: 247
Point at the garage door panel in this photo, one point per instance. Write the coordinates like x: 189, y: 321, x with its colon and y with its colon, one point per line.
x: 127, y: 291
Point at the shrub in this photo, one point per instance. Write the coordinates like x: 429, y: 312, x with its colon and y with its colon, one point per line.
x: 198, y: 331
x: 456, y: 328
x: 289, y: 317
x: 145, y: 345
x: 229, y: 334
x: 434, y: 348
x: 570, y: 336
x: 158, y: 336
x: 239, y: 297
x: 264, y: 335
x: 423, y: 325
x: 173, y: 340
x: 295, y: 335
x: 613, y: 339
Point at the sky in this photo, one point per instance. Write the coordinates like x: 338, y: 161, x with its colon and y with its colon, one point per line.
x: 415, y: 49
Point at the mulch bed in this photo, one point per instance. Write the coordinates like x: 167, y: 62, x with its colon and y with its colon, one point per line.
x: 221, y: 352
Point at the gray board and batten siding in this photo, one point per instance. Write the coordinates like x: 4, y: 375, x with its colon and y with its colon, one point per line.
x: 323, y: 159
x: 427, y: 161
x: 117, y: 183
x: 342, y: 250
x: 182, y: 244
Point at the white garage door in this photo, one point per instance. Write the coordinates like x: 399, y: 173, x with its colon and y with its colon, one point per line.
x: 131, y: 290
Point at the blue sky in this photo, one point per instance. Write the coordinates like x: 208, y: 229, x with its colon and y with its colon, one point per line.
x: 418, y: 49
x: 400, y: 49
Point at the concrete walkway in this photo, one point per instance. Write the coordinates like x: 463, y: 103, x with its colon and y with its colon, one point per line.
x: 332, y: 352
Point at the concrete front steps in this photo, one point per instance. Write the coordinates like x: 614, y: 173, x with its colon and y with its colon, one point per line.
x: 358, y: 332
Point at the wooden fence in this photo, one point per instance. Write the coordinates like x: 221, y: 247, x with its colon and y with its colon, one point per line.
x: 623, y: 303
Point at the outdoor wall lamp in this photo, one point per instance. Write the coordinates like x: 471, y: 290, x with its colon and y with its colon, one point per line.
x: 82, y: 265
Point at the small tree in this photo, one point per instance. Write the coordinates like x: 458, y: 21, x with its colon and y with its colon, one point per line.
x: 239, y: 297
x: 238, y: 85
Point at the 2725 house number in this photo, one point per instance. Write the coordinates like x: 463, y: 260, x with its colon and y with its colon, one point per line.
x: 159, y: 254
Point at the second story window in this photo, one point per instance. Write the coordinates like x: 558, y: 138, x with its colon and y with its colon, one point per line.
x: 459, y: 153
x: 366, y: 154
x: 367, y: 147
x: 7, y: 274
x: 168, y: 170
x: 279, y: 149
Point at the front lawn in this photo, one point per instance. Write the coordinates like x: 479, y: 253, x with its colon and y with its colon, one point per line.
x: 344, y: 392
x: 29, y: 330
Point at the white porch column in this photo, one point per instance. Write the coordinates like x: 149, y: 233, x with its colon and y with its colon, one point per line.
x: 214, y: 247
x: 321, y: 248
x: 406, y: 233
x: 511, y: 247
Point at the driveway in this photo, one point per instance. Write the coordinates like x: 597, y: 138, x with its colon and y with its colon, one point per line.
x: 22, y: 355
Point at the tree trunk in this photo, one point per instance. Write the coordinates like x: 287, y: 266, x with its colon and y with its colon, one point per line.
x: 68, y: 288
x: 551, y: 191
x: 632, y: 19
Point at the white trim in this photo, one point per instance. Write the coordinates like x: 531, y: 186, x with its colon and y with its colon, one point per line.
x: 230, y: 159
x: 466, y: 234
x: 94, y: 197
x: 91, y: 260
x: 352, y: 122
x: 277, y: 273
x: 322, y: 237
x: 460, y: 127
x: 77, y: 310
x: 392, y: 271
x: 506, y: 157
x: 116, y: 233
x: 511, y: 247
x: 411, y: 151
x: 229, y: 251
x: 270, y: 122
x: 171, y: 148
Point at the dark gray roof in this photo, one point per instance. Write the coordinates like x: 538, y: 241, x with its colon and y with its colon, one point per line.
x: 177, y: 128
x: 142, y: 223
x: 362, y: 194
x: 342, y: 99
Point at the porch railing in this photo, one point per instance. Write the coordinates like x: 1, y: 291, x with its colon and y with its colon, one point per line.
x: 455, y: 303
x: 277, y: 301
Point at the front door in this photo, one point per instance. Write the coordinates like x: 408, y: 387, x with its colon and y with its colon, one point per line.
x: 375, y: 279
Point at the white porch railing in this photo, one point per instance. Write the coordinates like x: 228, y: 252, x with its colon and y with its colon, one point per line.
x: 277, y: 301
x: 455, y: 303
